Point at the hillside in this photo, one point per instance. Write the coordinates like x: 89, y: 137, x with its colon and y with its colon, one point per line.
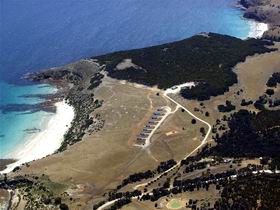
x: 206, y: 59
x: 267, y: 11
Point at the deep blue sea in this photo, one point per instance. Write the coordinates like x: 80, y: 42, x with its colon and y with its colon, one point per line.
x: 38, y: 34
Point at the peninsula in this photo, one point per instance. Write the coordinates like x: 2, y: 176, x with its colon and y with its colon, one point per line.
x: 191, y: 124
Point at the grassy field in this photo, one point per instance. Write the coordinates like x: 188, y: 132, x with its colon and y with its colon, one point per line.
x: 175, y: 204
x: 103, y: 159
x: 202, y: 197
x: 176, y: 137
x: 255, y: 68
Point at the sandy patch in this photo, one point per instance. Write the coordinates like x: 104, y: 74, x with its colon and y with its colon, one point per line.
x: 175, y: 204
x: 46, y: 142
x: 171, y: 133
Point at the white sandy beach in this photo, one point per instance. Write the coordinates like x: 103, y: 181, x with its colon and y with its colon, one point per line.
x: 48, y: 140
x: 257, y: 29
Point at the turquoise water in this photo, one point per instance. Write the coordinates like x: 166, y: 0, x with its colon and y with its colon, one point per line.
x: 11, y: 93
x: 14, y: 124
x: 38, y: 34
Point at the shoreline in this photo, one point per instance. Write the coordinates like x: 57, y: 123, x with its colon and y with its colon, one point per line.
x: 35, y: 148
x: 257, y: 29
x: 47, y: 141
x: 262, y: 11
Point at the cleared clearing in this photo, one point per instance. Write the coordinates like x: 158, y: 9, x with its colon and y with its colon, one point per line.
x: 175, y: 204
x: 103, y: 159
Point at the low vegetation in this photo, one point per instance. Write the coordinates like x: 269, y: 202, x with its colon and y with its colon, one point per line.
x: 84, y: 105
x: 163, y: 166
x: 34, y: 191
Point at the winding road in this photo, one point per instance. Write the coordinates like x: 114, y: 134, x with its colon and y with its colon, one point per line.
x: 172, y: 91
x: 199, y: 146
x: 178, y: 105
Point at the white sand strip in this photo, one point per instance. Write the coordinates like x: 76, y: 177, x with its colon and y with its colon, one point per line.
x: 257, y: 29
x: 47, y: 141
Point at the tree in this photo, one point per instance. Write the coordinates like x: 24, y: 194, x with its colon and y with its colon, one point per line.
x: 202, y: 131
x: 269, y: 92
x: 63, y: 206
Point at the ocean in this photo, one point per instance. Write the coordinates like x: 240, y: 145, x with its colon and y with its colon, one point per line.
x: 38, y: 34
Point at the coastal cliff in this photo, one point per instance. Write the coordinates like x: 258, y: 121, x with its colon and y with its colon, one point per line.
x: 267, y: 11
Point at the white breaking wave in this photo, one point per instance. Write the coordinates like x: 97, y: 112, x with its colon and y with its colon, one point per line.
x: 257, y: 29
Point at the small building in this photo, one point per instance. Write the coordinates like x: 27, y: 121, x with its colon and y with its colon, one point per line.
x: 143, y: 135
x: 158, y: 114
x: 156, y: 118
x: 149, y: 126
x: 145, y: 130
x: 152, y: 122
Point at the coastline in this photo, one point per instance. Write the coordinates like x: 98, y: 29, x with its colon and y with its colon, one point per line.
x: 44, y: 178
x: 47, y: 141
x: 257, y: 29
x: 265, y: 12
x: 36, y: 148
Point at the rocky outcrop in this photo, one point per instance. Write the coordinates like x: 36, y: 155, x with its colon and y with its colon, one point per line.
x: 250, y: 3
x: 254, y: 15
x: 267, y: 11
x: 57, y: 74
x: 77, y: 82
x: 273, y: 33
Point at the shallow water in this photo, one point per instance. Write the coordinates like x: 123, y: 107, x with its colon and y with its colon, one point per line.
x: 13, y: 125
x: 37, y: 34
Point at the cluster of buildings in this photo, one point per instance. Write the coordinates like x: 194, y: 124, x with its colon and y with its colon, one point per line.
x: 151, y: 124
